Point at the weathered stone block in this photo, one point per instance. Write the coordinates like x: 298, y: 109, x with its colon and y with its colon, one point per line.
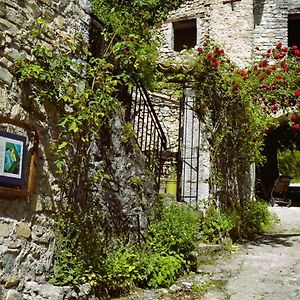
x: 13, y: 295
x: 37, y: 204
x: 12, y: 281
x: 15, y: 16
x: 23, y: 230
x: 5, y: 76
x: 5, y: 229
x: 2, y: 9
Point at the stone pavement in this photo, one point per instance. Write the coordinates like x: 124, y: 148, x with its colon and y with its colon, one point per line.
x: 265, y: 269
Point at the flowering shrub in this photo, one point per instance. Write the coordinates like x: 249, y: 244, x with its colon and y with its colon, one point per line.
x: 275, y: 81
x: 234, y: 121
x: 238, y: 106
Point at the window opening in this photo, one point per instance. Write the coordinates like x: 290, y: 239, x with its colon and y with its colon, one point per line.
x: 185, y: 34
x: 294, y: 30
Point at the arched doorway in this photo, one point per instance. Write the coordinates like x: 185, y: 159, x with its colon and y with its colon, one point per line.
x: 281, y: 143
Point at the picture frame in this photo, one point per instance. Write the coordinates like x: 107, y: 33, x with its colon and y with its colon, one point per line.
x: 12, y: 159
x: 13, y: 190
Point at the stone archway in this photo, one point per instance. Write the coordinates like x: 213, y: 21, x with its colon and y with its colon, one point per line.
x: 279, y: 138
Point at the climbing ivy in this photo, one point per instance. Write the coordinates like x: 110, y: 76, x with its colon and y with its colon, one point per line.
x: 87, y: 93
x: 239, y: 107
x: 235, y: 124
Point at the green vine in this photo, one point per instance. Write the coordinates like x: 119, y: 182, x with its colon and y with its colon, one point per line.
x: 86, y: 93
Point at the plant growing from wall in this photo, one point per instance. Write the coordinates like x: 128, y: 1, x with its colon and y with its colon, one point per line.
x: 238, y: 107
x: 235, y: 125
x: 86, y: 93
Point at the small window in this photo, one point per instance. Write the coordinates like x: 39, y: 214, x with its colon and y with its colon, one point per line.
x: 294, y: 30
x: 185, y: 34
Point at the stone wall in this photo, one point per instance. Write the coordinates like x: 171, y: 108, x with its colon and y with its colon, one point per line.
x: 26, y: 225
x: 238, y: 27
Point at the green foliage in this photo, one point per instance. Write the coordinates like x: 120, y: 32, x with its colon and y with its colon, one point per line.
x: 289, y: 163
x: 116, y: 267
x: 235, y: 124
x: 215, y: 225
x: 253, y: 218
x: 176, y: 229
x: 129, y: 30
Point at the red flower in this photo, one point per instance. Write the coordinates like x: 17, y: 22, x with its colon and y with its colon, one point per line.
x: 297, y: 93
x: 275, y: 107
x: 202, y: 106
x: 263, y: 63
x: 297, y: 52
x: 257, y: 48
x: 261, y: 78
x: 279, y: 45
x: 273, y: 67
x: 296, y: 127
x: 283, y: 64
x: 208, y: 55
x: 293, y: 117
x: 279, y: 76
x: 200, y: 50
x: 295, y: 47
x: 216, y: 64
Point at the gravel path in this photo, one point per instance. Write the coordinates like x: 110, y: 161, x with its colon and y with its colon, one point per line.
x: 267, y: 268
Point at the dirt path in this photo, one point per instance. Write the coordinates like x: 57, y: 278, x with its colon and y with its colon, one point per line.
x: 267, y: 268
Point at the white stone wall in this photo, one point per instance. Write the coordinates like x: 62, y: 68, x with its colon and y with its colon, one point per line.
x: 270, y: 23
x: 239, y: 28
x: 231, y: 26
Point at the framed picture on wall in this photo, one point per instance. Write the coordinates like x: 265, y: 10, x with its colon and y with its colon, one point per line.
x: 12, y: 159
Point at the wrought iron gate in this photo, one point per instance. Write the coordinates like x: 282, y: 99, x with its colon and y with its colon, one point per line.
x: 191, y: 174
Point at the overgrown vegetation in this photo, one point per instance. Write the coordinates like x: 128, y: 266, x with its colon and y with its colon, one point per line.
x: 114, y: 268
x: 245, y: 223
x: 289, y: 163
x: 92, y: 245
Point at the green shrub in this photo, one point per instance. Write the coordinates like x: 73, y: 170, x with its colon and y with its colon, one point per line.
x: 215, y: 225
x: 256, y: 218
x: 176, y: 230
x: 159, y: 268
x: 113, y: 267
x: 289, y: 163
x: 253, y: 218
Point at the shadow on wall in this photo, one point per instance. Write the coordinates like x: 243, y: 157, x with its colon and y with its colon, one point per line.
x: 258, y: 9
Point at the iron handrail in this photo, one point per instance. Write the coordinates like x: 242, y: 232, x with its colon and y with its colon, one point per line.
x: 149, y: 134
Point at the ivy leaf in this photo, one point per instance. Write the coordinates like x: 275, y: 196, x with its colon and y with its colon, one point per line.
x: 73, y: 126
x: 62, y: 145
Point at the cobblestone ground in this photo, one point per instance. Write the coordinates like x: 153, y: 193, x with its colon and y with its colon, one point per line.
x: 267, y: 268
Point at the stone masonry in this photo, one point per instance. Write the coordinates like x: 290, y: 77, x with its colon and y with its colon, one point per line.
x: 26, y: 225
x: 238, y: 27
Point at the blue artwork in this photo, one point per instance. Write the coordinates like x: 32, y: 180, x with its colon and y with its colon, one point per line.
x: 12, y: 158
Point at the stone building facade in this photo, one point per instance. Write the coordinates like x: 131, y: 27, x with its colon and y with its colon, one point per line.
x: 239, y: 27
x: 26, y: 225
